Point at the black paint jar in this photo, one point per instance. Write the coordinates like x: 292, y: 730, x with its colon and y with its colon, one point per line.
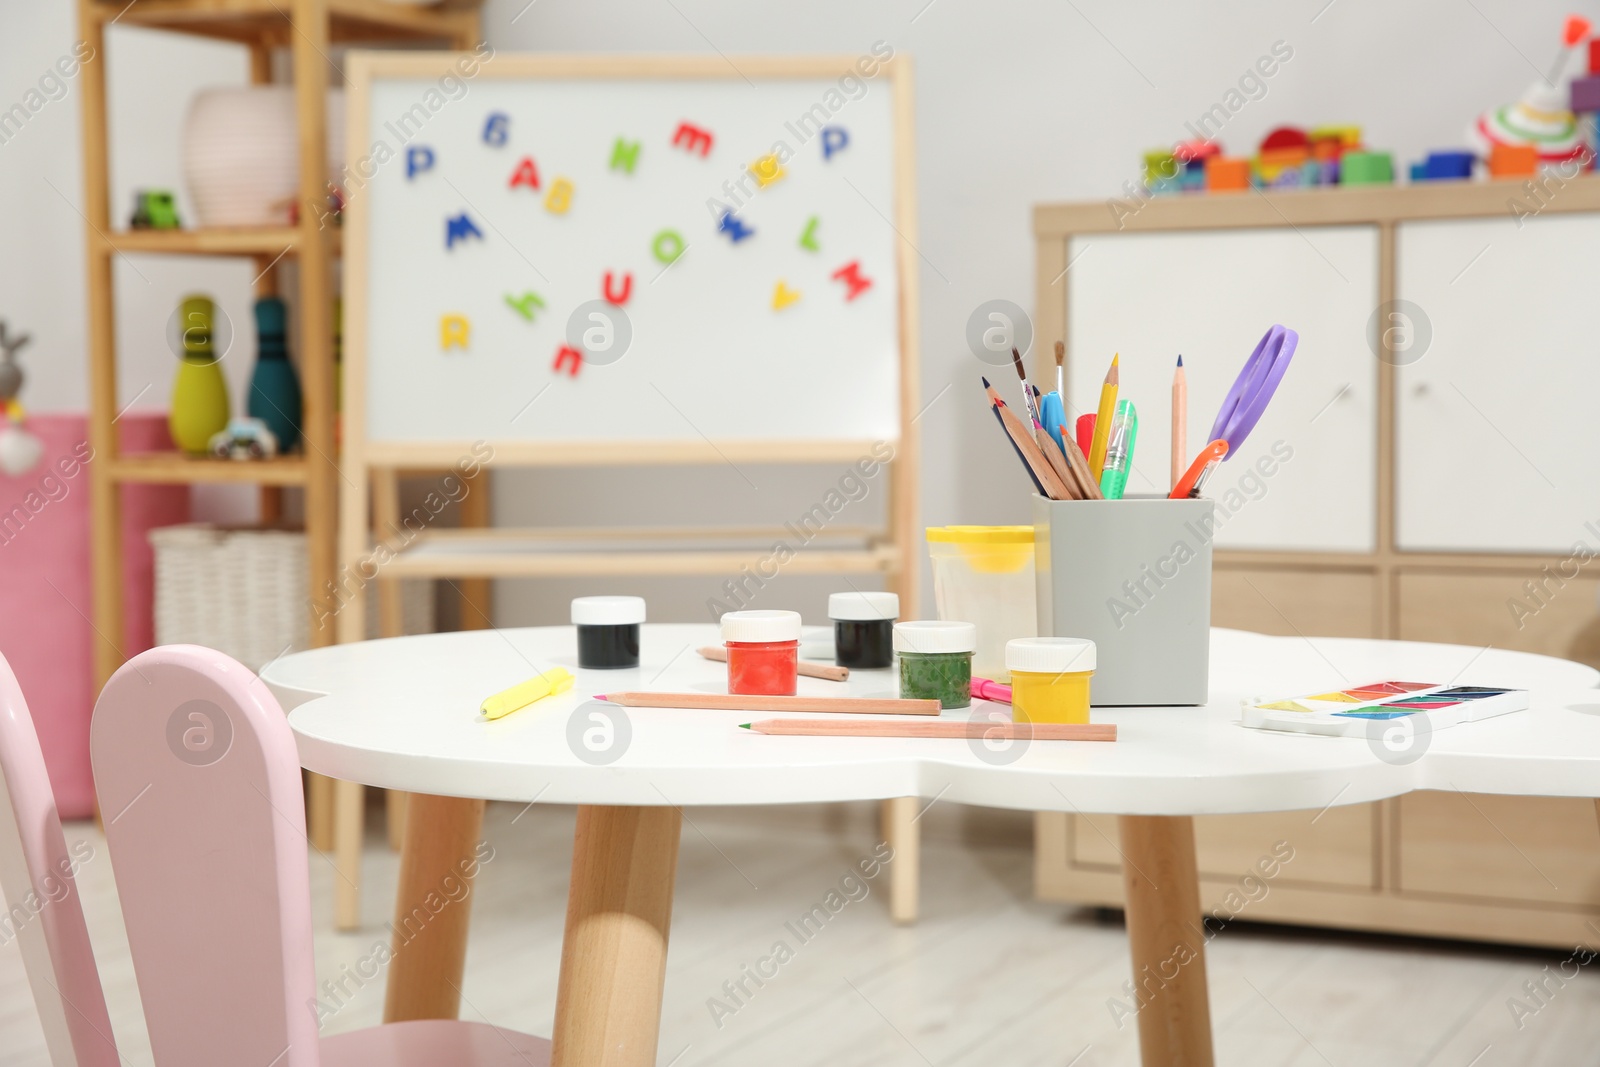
x: 863, y: 629
x: 608, y: 630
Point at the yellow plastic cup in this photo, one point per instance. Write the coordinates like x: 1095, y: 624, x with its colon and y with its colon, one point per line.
x: 984, y: 575
x: 1050, y: 678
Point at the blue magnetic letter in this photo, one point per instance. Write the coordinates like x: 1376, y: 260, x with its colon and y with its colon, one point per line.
x: 733, y: 227
x: 834, y: 138
x: 418, y: 159
x: 459, y: 229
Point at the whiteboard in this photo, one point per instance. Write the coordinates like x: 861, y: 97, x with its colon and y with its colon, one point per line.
x: 711, y: 358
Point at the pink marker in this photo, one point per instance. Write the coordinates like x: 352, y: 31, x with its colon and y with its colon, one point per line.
x: 984, y: 689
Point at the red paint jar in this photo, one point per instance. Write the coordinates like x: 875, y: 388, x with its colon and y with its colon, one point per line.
x: 763, y: 652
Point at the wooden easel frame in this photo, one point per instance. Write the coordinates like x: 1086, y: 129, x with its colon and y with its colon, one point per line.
x: 371, y: 467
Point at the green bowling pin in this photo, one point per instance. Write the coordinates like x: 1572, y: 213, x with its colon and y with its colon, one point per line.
x: 199, y: 392
x: 274, y: 389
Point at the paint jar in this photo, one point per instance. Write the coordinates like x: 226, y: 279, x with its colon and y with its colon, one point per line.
x: 984, y: 575
x: 608, y: 630
x: 763, y: 652
x: 863, y: 629
x: 936, y: 661
x: 1050, y: 678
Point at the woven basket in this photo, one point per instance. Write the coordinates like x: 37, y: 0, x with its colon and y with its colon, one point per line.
x: 244, y: 592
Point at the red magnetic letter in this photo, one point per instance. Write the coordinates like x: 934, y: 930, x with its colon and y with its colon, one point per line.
x: 692, y: 137
x: 850, y: 274
x: 567, y: 354
x: 627, y: 289
x: 527, y: 174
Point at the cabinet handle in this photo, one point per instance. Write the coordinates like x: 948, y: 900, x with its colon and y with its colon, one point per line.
x: 1421, y: 389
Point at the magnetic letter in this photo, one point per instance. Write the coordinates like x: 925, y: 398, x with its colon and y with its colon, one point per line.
x: 459, y: 229
x: 735, y: 229
x: 418, y: 159
x: 624, y: 154
x: 808, y: 239
x: 559, y: 198
x: 783, y: 296
x: 834, y: 138
x: 766, y: 170
x: 668, y: 246
x: 627, y: 289
x: 453, y: 331
x: 692, y: 137
x: 850, y: 274
x: 523, y: 305
x: 566, y: 354
x: 497, y: 129
x: 527, y: 174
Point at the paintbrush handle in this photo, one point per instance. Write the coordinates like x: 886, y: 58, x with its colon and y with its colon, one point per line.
x: 809, y: 670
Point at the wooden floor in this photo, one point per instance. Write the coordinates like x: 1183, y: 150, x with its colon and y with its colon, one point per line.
x: 988, y: 978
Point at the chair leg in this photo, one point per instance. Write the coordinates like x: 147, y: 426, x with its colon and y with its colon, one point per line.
x: 319, y: 810
x: 614, y: 953
x: 396, y: 804
x: 429, y: 945
x: 349, y: 800
x: 903, y: 834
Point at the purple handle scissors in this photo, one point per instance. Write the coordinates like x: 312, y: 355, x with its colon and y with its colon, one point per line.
x: 1253, y: 389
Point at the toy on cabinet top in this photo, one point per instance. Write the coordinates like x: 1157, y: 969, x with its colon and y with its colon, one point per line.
x: 200, y: 405
x: 244, y: 439
x: 20, y: 451
x: 1540, y: 117
x: 274, y: 388
x: 154, y: 209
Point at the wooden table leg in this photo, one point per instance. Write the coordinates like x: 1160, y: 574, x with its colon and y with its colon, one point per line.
x: 614, y: 953
x: 349, y: 827
x: 1164, y: 934
x: 429, y: 946
x: 903, y: 835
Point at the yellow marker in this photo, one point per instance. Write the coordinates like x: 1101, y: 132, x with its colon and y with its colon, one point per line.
x: 783, y: 296
x: 767, y: 170
x: 553, y: 681
x: 559, y: 198
x: 454, y: 331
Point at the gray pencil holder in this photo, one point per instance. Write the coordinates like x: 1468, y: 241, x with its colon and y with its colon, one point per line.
x: 1134, y: 577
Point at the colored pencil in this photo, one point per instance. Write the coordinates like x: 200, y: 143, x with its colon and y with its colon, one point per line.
x: 746, y: 702
x: 1030, y: 403
x: 825, y: 671
x: 1017, y: 449
x: 1180, y: 422
x: 977, y: 731
x: 1058, y: 462
x: 1043, y: 474
x: 1061, y: 369
x: 1080, y: 467
x: 1102, y: 420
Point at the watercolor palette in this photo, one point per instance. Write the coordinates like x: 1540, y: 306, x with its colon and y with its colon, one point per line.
x: 1353, y: 711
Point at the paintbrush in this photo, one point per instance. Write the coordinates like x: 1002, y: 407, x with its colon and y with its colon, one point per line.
x: 1029, y: 403
x: 1052, y: 486
x: 1061, y: 370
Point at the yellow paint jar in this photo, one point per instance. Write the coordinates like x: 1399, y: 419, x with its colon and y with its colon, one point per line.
x: 1050, y: 678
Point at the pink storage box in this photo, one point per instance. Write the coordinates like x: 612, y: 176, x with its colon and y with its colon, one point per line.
x: 46, y: 602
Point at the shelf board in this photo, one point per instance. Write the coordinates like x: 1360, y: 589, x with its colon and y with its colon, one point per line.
x: 250, y: 21
x: 220, y: 241
x: 176, y: 468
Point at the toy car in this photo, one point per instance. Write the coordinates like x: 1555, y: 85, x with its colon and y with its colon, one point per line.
x: 244, y: 439
x: 154, y: 209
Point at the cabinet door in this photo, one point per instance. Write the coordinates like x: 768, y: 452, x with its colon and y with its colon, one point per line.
x: 1496, y: 417
x: 1292, y: 603
x: 1210, y: 296
x: 1540, y: 610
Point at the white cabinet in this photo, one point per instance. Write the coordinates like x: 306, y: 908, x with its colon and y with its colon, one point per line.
x: 1497, y: 431
x: 1211, y: 295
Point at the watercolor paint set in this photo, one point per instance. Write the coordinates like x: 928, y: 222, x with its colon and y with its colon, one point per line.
x: 1351, y: 712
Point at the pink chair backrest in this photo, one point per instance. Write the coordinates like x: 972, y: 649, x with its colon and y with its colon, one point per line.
x: 44, y: 912
x: 199, y: 786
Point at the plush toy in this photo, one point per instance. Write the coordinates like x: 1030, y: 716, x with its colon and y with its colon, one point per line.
x: 20, y: 451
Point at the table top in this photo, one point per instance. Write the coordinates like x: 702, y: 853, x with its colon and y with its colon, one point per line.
x: 402, y: 713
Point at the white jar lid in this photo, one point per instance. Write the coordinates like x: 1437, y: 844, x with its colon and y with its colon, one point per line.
x: 863, y: 607
x: 935, y: 636
x: 761, y: 626
x: 1050, y: 655
x: 607, y: 610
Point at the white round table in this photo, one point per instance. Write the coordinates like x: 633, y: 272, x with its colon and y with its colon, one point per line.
x: 402, y: 714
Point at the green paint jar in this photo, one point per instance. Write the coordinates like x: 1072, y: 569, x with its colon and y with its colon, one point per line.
x: 936, y: 661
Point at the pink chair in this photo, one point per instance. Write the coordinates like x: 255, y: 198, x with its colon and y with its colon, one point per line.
x: 199, y: 786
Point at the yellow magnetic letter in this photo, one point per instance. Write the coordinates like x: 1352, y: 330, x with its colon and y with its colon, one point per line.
x: 766, y: 170
x: 453, y: 331
x: 783, y: 296
x: 559, y: 197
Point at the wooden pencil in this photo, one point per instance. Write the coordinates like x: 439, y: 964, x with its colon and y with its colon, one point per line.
x: 746, y: 702
x: 1042, y: 471
x: 1058, y: 462
x: 1080, y: 466
x: 1102, y: 421
x: 1025, y: 464
x: 977, y: 731
x: 825, y: 671
x: 1180, y: 423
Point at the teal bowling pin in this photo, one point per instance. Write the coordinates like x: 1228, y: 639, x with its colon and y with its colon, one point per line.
x: 274, y: 387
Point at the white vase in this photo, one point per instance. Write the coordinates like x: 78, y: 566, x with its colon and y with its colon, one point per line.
x: 241, y: 155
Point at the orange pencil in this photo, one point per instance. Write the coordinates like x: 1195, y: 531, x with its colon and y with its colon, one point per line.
x: 1208, y: 458
x: 1080, y: 467
x: 1180, y: 421
x: 1102, y: 421
x: 978, y: 731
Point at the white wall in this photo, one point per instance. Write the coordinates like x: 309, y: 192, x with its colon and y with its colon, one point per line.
x: 1017, y: 103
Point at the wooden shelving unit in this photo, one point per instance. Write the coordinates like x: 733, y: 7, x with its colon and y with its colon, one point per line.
x: 309, y: 29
